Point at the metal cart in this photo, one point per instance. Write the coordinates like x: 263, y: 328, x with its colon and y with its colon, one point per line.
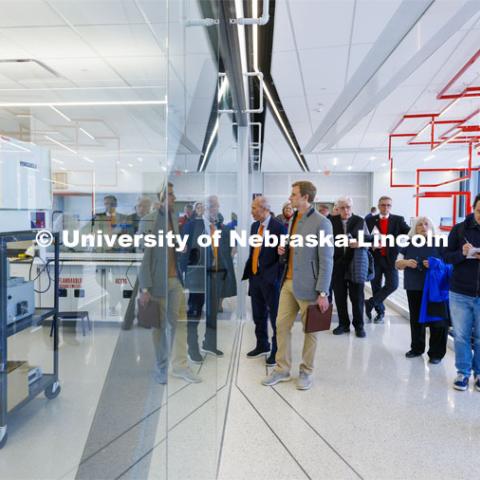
x: 48, y: 382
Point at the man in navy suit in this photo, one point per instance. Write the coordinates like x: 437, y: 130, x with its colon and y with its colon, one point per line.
x: 263, y: 270
x: 384, y: 223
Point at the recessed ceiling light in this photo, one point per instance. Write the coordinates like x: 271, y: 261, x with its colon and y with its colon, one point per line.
x: 60, y: 144
x: 130, y: 165
x: 335, y: 160
x: 60, y: 113
x: 140, y: 159
x: 87, y: 134
x: 61, y: 162
x: 349, y: 167
x: 373, y: 158
x: 384, y: 164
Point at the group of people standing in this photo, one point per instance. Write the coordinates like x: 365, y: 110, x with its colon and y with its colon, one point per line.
x: 284, y: 281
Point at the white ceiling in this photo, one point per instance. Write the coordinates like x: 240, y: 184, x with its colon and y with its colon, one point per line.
x: 318, y: 45
x: 110, y: 50
x: 114, y: 50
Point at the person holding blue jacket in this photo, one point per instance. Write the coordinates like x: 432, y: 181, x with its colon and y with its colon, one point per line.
x: 414, y: 261
x: 462, y: 253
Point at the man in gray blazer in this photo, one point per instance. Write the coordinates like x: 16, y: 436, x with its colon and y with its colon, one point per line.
x: 160, y: 281
x: 306, y: 280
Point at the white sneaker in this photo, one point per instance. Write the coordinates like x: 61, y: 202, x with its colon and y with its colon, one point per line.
x: 304, y: 381
x: 276, y: 377
x: 186, y: 374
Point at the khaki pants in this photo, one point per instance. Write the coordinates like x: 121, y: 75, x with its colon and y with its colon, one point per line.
x: 170, y: 340
x: 288, y: 308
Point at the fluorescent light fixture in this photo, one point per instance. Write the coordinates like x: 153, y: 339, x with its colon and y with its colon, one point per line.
x: 430, y: 157
x: 449, y: 139
x: 84, y: 104
x: 89, y: 160
x: 279, y: 118
x: 422, y: 130
x: 61, y: 162
x: 384, y: 164
x: 241, y: 36
x: 11, y: 144
x: 23, y: 115
x: 349, y: 167
x: 223, y: 88
x: 123, y: 171
x: 61, y: 113
x: 140, y: 159
x: 448, y: 107
x: 335, y: 161
x: 209, y: 145
x: 373, y: 158
x: 130, y: 165
x: 62, y: 168
x: 60, y: 144
x: 87, y: 134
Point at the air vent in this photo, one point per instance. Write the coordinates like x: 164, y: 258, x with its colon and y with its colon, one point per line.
x: 26, y: 69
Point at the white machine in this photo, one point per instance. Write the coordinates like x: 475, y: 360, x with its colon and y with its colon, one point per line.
x: 20, y: 299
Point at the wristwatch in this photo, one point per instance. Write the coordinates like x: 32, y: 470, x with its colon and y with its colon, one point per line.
x: 323, y: 294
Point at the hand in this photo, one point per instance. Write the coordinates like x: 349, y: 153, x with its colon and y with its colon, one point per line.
x: 466, y: 248
x: 426, y: 264
x: 145, y: 297
x: 353, y: 244
x: 281, y: 250
x: 322, y: 303
x: 411, y: 263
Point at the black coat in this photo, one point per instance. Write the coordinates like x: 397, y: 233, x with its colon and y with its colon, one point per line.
x: 465, y: 278
x: 270, y: 270
x: 396, y: 226
x: 343, y: 256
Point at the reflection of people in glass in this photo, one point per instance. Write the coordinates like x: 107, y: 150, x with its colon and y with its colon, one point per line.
x: 219, y: 274
x: 162, y: 294
x: 142, y: 208
x: 109, y: 222
x: 187, y: 215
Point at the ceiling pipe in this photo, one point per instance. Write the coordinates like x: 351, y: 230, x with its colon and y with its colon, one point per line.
x: 263, y: 20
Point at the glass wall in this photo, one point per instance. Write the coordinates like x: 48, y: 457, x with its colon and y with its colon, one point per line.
x: 119, y: 102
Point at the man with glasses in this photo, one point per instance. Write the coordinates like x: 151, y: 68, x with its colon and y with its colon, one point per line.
x: 384, y: 223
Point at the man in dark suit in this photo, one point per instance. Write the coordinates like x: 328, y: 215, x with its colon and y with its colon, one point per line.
x: 263, y: 272
x: 347, y: 224
x: 395, y: 225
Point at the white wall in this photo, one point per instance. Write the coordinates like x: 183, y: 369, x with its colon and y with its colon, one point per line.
x: 277, y: 187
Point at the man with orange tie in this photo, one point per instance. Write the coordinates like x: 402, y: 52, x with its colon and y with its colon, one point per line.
x: 263, y: 271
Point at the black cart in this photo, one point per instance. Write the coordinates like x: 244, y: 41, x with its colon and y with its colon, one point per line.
x: 48, y: 382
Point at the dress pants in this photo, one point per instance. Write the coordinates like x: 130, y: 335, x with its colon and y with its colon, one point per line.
x: 343, y: 289
x: 194, y: 314
x: 438, y: 333
x: 170, y: 340
x: 380, y: 293
x: 288, y: 308
x: 264, y: 297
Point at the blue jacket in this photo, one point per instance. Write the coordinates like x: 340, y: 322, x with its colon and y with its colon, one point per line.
x: 435, y: 288
x: 466, y: 273
x: 270, y: 270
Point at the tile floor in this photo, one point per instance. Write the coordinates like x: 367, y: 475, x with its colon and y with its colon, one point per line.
x: 371, y: 413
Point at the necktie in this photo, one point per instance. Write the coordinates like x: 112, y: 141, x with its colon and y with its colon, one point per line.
x: 256, y: 253
x: 215, y: 249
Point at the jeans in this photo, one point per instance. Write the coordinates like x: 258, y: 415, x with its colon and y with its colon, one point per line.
x: 465, y: 311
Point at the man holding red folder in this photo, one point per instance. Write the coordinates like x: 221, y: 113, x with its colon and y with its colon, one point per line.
x: 306, y: 280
